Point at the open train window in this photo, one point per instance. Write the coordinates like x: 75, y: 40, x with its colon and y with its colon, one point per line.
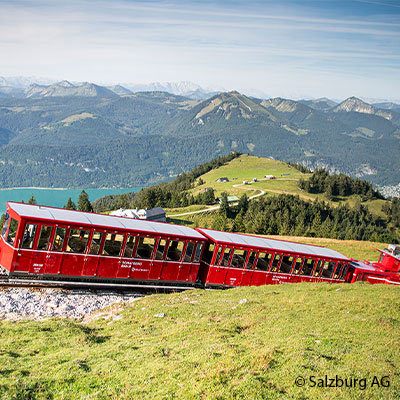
x: 59, y: 237
x: 113, y: 244
x: 145, y: 247
x: 208, y: 252
x: 197, y: 253
x: 297, y: 265
x: 189, y: 252
x: 44, y: 238
x: 329, y: 266
x: 286, y: 264
x: 308, y: 267
x: 318, y: 268
x: 77, y: 241
x: 12, y: 231
x: 29, y: 236
x: 344, y: 271
x: 337, y: 270
x: 252, y: 259
x: 275, y: 263
x: 226, y: 256
x: 175, y: 250
x: 264, y: 259
x: 129, y: 246
x: 95, y: 244
x: 218, y: 256
x: 5, y: 225
x: 239, y: 258
x: 160, y: 249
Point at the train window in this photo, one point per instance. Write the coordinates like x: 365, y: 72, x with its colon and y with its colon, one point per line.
x: 239, y: 258
x: 286, y: 264
x: 297, y: 265
x: 145, y: 247
x: 252, y: 259
x: 197, y: 254
x: 95, y: 244
x: 208, y: 252
x: 12, y: 231
x: 175, y: 250
x: 264, y: 259
x: 113, y: 244
x: 218, y: 256
x: 344, y: 271
x: 29, y: 236
x: 160, y: 249
x: 318, y: 268
x: 226, y: 256
x: 189, y: 252
x: 5, y: 225
x: 77, y: 241
x: 275, y: 263
x: 308, y: 267
x: 59, y: 237
x: 328, y: 269
x: 44, y: 238
x: 129, y: 246
x: 337, y: 270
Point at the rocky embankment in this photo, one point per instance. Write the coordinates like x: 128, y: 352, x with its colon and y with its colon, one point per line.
x: 38, y: 304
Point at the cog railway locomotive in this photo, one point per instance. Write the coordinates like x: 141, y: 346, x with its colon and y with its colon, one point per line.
x: 53, y: 245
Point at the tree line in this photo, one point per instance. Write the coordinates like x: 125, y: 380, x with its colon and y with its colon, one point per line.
x: 290, y: 215
x: 338, y: 185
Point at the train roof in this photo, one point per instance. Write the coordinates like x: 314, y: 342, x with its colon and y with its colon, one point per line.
x: 100, y: 220
x: 270, y: 244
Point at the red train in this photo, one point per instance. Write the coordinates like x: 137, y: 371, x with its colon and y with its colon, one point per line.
x: 53, y: 244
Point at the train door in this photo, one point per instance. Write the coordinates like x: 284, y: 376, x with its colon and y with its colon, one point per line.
x: 91, y: 260
x: 235, y: 272
x: 126, y: 262
x: 41, y: 255
x: 261, y: 267
x: 74, y: 254
x: 186, y: 262
x: 217, y: 273
x: 195, y: 266
x: 143, y: 264
x: 247, y: 274
x: 55, y: 255
x: 111, y: 255
x: 158, y: 259
x: 272, y: 278
x: 25, y: 252
x: 172, y: 262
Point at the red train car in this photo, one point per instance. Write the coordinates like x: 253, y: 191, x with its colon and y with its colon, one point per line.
x: 386, y: 270
x: 51, y: 242
x: 232, y: 259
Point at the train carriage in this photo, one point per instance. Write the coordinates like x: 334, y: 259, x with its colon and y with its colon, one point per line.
x: 232, y: 259
x: 50, y: 242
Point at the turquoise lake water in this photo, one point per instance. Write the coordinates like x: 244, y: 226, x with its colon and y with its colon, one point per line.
x: 54, y: 197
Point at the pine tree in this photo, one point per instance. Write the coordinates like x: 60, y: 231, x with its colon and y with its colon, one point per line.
x: 70, y: 205
x: 224, y: 206
x: 84, y: 203
x: 243, y: 204
x: 32, y: 200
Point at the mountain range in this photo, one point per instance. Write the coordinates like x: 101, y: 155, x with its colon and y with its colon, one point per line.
x: 66, y: 134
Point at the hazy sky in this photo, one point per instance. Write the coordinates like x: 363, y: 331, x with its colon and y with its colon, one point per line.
x: 287, y: 48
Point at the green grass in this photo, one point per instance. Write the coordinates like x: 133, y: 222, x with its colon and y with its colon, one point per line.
x: 212, y: 345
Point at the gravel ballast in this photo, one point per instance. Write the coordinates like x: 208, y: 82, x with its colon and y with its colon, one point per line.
x: 38, y: 304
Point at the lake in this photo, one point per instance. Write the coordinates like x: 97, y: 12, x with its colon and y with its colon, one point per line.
x: 54, y: 197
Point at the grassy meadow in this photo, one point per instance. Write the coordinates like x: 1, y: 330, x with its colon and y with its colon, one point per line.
x: 245, y: 343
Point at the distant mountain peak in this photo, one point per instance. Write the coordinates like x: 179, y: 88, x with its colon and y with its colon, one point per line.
x: 65, y: 84
x: 354, y: 104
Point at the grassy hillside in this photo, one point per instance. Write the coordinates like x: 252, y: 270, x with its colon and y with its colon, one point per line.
x: 248, y: 167
x: 246, y: 343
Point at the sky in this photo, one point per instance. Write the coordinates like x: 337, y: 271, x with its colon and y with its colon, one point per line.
x: 288, y: 48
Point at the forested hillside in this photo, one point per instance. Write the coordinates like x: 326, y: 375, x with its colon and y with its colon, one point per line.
x: 97, y: 138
